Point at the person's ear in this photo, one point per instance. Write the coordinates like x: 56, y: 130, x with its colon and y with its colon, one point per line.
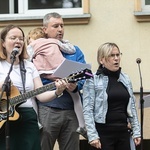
x: 3, y: 43
x: 101, y: 60
x: 44, y: 29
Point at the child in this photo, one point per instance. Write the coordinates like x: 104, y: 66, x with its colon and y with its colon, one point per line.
x: 44, y: 52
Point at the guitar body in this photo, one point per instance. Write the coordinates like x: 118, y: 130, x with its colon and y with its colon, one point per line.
x: 11, y: 118
x: 13, y: 114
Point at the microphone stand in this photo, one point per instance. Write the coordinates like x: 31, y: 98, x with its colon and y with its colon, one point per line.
x: 141, y: 106
x: 6, y: 87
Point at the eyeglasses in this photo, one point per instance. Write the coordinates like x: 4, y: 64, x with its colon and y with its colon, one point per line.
x: 14, y: 38
x: 115, y: 55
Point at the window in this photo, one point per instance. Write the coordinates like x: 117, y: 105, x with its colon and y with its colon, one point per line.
x: 15, y: 9
x: 142, y: 10
x: 146, y: 5
x: 142, y: 5
x: 64, y: 7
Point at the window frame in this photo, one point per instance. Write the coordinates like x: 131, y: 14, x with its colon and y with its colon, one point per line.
x: 24, y: 13
x: 141, y: 7
x: 145, y: 8
x: 141, y: 12
x: 23, y: 9
x: 26, y: 20
x: 11, y: 6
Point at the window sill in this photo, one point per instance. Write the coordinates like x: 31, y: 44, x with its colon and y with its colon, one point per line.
x: 142, y: 16
x: 37, y: 20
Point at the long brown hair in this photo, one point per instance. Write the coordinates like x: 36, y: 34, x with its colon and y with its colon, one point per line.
x: 3, y: 34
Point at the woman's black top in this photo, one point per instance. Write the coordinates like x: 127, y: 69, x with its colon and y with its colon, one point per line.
x: 118, y: 98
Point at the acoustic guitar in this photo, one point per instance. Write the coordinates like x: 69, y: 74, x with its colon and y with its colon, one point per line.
x: 16, y: 98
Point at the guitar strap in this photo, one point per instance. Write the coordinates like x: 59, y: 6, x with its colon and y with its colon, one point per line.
x: 23, y: 74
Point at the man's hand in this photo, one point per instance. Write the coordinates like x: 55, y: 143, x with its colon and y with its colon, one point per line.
x: 60, y: 86
x: 71, y: 86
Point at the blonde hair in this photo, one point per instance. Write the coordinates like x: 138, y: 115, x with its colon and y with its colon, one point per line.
x: 36, y: 33
x: 105, y: 50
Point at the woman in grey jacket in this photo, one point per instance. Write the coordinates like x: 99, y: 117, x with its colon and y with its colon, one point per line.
x: 109, y: 103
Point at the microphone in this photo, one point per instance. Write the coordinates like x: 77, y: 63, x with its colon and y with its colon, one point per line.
x: 14, y: 52
x: 138, y: 60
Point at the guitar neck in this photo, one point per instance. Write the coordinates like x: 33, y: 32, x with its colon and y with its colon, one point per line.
x: 84, y: 74
x: 22, y: 97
